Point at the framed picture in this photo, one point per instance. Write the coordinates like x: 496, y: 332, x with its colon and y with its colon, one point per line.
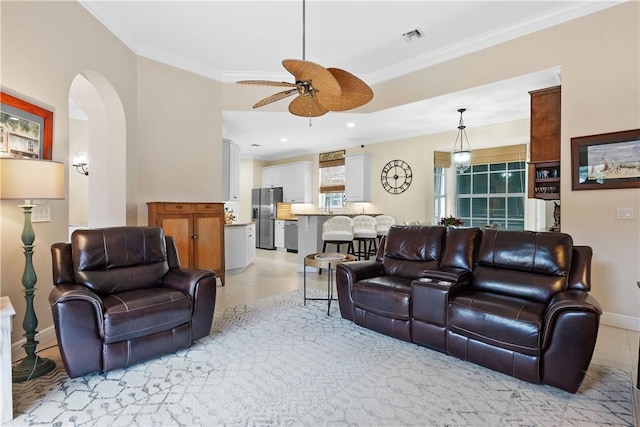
x: 608, y: 160
x: 26, y: 130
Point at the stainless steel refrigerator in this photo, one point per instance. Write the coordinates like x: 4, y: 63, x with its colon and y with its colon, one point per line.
x: 263, y: 212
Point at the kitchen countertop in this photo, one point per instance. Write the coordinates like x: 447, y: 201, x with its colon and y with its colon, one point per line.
x: 337, y: 214
x: 239, y: 224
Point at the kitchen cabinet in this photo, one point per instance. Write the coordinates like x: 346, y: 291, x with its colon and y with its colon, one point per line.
x: 357, y: 177
x: 544, y: 145
x: 294, y: 178
x: 250, y: 239
x: 240, y: 245
x: 279, y: 234
x: 198, y: 231
x: 544, y: 180
x: 230, y: 171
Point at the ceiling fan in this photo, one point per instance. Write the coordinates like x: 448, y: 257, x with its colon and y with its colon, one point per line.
x: 319, y: 89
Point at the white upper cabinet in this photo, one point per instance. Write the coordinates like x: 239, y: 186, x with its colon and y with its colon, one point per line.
x: 357, y: 174
x: 230, y: 171
x: 294, y: 178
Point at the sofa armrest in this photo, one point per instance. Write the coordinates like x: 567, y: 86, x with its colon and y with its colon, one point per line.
x: 186, y: 279
x: 570, y: 331
x: 70, y: 302
x: 200, y: 285
x: 449, y: 274
x: 571, y: 301
x: 430, y: 298
x: 348, y: 273
x: 73, y: 292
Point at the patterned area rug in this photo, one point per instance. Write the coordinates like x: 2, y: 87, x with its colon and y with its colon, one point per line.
x: 279, y: 363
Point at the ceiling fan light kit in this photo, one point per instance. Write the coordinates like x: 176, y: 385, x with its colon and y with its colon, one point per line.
x: 319, y: 89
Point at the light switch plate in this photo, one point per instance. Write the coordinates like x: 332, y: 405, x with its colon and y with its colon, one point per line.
x: 41, y: 213
x: 624, y: 213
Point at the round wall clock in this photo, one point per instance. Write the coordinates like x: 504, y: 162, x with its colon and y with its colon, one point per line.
x: 396, y: 176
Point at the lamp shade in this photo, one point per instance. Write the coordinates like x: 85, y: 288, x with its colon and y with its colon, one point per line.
x: 31, y: 179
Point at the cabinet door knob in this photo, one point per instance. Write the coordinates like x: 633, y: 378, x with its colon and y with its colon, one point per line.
x: 194, y: 237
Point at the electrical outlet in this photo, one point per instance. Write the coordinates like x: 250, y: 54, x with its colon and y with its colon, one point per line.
x: 624, y: 213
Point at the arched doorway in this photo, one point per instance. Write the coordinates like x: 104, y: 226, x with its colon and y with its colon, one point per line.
x: 97, y: 127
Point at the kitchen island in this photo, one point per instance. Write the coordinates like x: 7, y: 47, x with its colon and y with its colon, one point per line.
x: 310, y: 232
x: 239, y: 244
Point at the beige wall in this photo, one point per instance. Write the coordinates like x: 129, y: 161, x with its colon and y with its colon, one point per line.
x: 598, y: 54
x: 179, y: 138
x: 44, y: 46
x: 165, y: 160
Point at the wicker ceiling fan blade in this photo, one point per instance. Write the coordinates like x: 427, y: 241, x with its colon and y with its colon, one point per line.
x: 266, y: 83
x: 354, y: 92
x: 275, y: 97
x: 321, y: 79
x: 306, y: 106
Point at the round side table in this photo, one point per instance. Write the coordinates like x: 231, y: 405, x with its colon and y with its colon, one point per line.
x: 322, y: 260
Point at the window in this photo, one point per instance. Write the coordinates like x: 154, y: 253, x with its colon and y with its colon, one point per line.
x: 439, y: 193
x: 492, y: 194
x: 331, y: 179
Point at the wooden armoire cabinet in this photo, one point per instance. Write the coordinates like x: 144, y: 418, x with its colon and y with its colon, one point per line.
x: 198, y: 230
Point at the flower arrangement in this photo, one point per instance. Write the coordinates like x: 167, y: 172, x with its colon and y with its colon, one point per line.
x: 451, y: 221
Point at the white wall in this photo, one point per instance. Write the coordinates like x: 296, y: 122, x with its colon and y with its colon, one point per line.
x: 78, y: 194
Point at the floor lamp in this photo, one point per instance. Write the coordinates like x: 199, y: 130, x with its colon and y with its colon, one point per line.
x: 29, y: 179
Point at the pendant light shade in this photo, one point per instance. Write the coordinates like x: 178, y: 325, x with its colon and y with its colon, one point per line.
x: 461, y: 154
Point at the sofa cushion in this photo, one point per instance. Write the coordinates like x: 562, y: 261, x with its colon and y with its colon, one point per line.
x: 118, y: 259
x: 523, y: 264
x: 143, y: 312
x: 460, y: 248
x: 385, y: 296
x: 409, y: 251
x: 502, y: 321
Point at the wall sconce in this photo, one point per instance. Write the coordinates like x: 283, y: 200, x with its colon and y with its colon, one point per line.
x: 81, y: 163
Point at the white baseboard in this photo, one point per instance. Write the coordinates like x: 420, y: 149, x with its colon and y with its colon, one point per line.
x: 620, y: 321
x: 44, y: 338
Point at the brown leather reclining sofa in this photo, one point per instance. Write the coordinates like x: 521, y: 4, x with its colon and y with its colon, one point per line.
x: 516, y: 302
x: 120, y: 297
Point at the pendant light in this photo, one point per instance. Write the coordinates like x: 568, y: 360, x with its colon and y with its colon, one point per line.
x: 461, y: 154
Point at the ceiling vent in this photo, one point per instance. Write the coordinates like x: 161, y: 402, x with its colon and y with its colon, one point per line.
x: 413, y: 35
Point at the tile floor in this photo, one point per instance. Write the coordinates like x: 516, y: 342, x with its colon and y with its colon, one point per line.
x: 274, y: 272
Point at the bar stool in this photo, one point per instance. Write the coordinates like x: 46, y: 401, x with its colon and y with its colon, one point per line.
x: 364, y: 232
x: 383, y: 222
x: 338, y: 230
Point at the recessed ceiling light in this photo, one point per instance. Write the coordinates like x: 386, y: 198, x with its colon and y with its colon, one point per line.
x: 283, y: 140
x: 351, y: 125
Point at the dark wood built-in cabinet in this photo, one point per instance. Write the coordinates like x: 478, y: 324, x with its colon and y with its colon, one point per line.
x: 544, y: 165
x: 198, y: 230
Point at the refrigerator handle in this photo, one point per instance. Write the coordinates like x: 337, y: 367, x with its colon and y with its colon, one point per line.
x: 255, y: 214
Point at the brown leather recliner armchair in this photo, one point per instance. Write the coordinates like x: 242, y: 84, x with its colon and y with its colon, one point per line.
x: 120, y: 297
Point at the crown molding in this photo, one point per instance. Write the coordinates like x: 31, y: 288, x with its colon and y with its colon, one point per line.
x: 113, y: 24
x: 571, y: 11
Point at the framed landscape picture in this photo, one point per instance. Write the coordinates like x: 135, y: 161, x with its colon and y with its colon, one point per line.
x: 26, y: 130
x: 609, y: 160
